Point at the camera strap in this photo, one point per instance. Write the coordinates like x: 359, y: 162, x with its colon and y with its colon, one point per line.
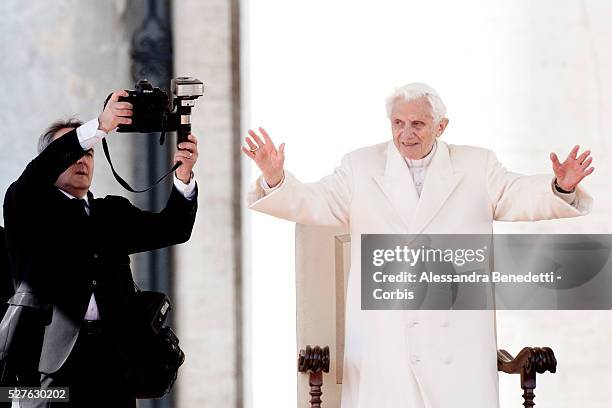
x: 124, y: 183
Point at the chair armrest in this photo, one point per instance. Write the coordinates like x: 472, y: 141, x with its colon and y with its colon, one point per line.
x: 528, y: 362
x: 530, y: 359
x: 314, y: 361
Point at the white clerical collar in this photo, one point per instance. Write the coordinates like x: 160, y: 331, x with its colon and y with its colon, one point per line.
x: 425, y: 161
x: 71, y: 196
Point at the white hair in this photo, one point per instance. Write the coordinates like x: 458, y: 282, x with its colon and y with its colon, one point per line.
x: 418, y: 90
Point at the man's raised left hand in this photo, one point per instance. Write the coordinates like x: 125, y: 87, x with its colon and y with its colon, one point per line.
x: 573, y: 169
x: 188, y: 155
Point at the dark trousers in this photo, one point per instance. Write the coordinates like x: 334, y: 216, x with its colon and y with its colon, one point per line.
x: 93, y: 374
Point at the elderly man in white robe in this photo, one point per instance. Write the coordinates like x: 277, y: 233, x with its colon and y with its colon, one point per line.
x: 417, y: 184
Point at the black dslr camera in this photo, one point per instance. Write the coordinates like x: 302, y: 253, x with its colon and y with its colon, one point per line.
x: 153, y: 112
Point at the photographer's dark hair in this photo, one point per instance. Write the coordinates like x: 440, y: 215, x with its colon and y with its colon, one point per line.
x: 47, y: 137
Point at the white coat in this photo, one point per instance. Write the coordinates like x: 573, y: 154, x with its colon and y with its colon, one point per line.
x: 417, y: 359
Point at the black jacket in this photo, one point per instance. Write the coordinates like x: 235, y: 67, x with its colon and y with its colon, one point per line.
x: 6, y: 282
x: 62, y: 255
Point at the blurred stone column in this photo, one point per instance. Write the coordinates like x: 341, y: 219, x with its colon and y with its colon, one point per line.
x: 207, y: 279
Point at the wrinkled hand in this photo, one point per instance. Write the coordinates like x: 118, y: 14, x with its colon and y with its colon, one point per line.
x: 573, y: 169
x: 115, y: 113
x: 188, y: 156
x: 268, y: 158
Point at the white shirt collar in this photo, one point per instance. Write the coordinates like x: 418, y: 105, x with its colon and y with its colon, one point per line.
x: 425, y: 161
x: 71, y: 196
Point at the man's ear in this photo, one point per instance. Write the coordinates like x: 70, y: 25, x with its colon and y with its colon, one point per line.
x: 442, y: 126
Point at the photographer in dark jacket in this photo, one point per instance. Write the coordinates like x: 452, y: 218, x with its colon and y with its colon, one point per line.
x: 70, y: 252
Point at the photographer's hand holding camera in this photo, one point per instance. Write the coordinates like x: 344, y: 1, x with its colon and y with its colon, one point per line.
x: 69, y: 254
x: 115, y: 113
x: 187, y: 155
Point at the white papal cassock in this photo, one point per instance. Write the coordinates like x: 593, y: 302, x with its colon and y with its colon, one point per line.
x: 416, y: 359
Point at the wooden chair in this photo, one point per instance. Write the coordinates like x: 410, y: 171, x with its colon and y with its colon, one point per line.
x: 322, y: 259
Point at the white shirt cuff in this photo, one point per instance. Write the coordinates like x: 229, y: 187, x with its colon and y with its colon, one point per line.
x: 187, y: 190
x: 569, y: 198
x: 89, y: 134
x: 266, y: 188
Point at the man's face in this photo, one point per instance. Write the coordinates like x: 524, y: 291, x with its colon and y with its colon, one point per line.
x: 76, y: 180
x: 413, y: 127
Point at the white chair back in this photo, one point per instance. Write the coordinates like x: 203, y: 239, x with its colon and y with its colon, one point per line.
x: 322, y: 261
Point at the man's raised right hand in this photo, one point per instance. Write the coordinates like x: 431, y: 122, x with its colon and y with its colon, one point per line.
x: 115, y: 113
x: 268, y: 158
